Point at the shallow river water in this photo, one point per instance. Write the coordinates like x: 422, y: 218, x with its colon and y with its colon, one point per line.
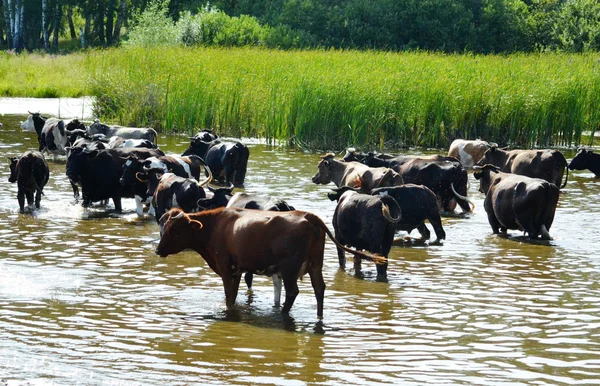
x: 85, y: 301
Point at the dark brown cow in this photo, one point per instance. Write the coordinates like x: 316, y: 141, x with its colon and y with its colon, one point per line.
x: 513, y: 201
x: 586, y: 159
x: 354, y: 174
x: 31, y: 174
x: 234, y: 241
x: 546, y: 164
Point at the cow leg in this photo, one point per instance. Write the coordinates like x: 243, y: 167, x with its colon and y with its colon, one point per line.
x: 277, y: 284
x: 248, y: 277
x: 436, y: 223
x: 341, y: 257
x: 151, y: 210
x: 291, y: 291
x: 139, y: 206
x: 425, y: 234
x: 316, y: 278
x: 75, y: 189
x: 38, y: 198
x: 231, y: 285
x: 494, y: 223
x: 21, y: 199
x: 117, y: 202
x: 381, y: 271
x: 357, y: 265
x: 29, y: 196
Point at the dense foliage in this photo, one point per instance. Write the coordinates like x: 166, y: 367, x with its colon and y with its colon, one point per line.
x: 481, y: 26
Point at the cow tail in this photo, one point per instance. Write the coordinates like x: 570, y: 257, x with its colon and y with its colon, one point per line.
x: 567, y: 169
x: 377, y: 259
x: 390, y: 205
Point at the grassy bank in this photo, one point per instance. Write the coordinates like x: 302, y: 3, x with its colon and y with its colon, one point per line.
x: 330, y: 99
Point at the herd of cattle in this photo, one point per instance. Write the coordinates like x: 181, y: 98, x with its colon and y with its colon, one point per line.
x: 376, y: 194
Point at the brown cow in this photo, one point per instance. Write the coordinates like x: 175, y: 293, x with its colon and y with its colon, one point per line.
x: 547, y: 164
x: 354, y: 174
x: 468, y: 152
x: 514, y: 201
x: 234, y: 241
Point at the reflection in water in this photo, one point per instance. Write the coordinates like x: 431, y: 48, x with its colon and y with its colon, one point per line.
x: 83, y: 298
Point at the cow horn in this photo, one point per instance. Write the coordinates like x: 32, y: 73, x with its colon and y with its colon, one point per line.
x: 137, y: 177
x: 179, y: 215
x: 197, y: 222
x: 471, y: 203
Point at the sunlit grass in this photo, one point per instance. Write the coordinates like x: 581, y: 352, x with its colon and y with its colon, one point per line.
x: 328, y: 99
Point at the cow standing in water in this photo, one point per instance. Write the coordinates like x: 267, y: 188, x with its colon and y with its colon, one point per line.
x: 31, y: 174
x: 547, y: 164
x: 513, y: 201
x: 468, y: 152
x: 586, y: 159
x: 234, y: 241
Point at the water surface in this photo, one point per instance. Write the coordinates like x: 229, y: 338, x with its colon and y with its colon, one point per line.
x: 84, y: 299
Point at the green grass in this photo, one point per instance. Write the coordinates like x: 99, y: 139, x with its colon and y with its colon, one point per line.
x: 328, y: 99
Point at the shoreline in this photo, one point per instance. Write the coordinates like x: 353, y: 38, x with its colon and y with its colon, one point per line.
x: 67, y: 108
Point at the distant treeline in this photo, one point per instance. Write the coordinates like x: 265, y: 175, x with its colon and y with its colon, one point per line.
x: 478, y: 26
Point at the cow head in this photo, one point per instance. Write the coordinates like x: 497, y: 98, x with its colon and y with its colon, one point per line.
x: 494, y: 156
x: 131, y: 171
x: 153, y: 176
x: 205, y: 135
x: 74, y: 135
x: 13, y: 169
x: 77, y: 161
x: 98, y: 128
x: 354, y: 155
x: 34, y: 123
x: 199, y: 147
x: 582, y: 160
x: 336, y: 193
x: 484, y: 175
x: 75, y: 124
x: 177, y: 232
x: 323, y: 175
x: 220, y: 197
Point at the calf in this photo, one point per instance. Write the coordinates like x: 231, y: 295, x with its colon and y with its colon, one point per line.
x: 514, y: 201
x: 586, y: 159
x: 468, y: 152
x: 547, y: 164
x: 366, y: 222
x: 124, y: 132
x: 354, y: 174
x: 228, y: 161
x: 31, y: 174
x: 234, y: 241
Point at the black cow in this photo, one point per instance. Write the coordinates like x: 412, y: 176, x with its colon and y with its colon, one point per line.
x: 445, y: 176
x: 544, y: 163
x: 586, y: 159
x: 31, y: 174
x: 215, y: 198
x: 228, y: 161
x: 514, y: 201
x: 418, y: 203
x: 205, y: 135
x: 99, y: 172
x: 175, y: 192
x: 135, y: 175
x: 366, y: 222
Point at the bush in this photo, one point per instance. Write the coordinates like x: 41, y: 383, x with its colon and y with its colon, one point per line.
x: 153, y: 27
x: 577, y: 28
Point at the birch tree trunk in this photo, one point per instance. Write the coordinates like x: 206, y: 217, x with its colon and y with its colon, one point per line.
x: 121, y: 15
x: 57, y: 21
x: 45, y: 25
x: 5, y: 4
x: 70, y: 21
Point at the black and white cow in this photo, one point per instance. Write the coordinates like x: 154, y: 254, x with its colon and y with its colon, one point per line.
x: 99, y: 172
x: 31, y: 173
x: 135, y: 175
x: 228, y: 161
x: 53, y: 133
x: 172, y: 191
x: 124, y: 132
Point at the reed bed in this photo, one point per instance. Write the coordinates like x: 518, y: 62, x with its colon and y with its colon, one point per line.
x: 328, y: 99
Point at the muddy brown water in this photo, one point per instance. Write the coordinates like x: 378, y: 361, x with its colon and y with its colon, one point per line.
x: 84, y: 299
